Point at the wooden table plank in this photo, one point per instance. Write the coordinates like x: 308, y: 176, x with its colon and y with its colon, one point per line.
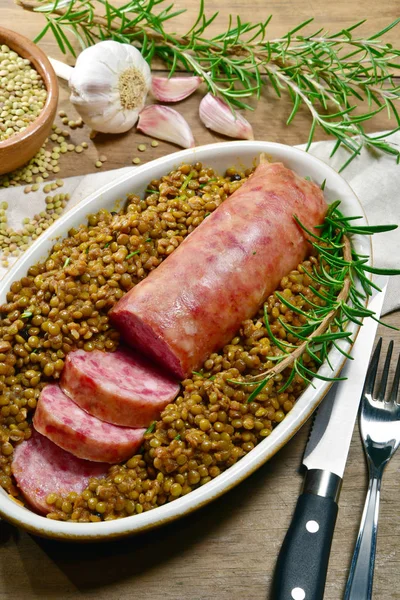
x: 228, y: 549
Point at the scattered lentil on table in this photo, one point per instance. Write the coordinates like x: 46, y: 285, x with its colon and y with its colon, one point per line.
x: 43, y: 165
x: 63, y: 303
x: 36, y: 171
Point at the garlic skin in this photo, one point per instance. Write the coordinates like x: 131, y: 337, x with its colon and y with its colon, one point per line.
x: 216, y: 115
x: 109, y: 85
x: 165, y: 124
x: 174, y: 89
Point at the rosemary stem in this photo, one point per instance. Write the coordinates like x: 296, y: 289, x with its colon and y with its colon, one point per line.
x: 290, y: 83
x: 338, y: 71
x: 295, y: 354
x: 32, y: 5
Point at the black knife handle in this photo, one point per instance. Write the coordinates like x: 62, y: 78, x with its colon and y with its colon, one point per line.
x: 303, y: 559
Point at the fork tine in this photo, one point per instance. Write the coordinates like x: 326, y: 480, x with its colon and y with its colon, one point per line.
x: 385, y: 373
x: 372, y: 369
x: 396, y: 381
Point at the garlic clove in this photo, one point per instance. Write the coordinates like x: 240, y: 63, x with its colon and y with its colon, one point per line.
x: 174, y: 89
x: 109, y: 85
x: 166, y: 124
x: 216, y: 115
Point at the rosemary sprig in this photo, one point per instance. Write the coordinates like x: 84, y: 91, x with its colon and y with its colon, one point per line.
x: 338, y: 270
x: 329, y: 73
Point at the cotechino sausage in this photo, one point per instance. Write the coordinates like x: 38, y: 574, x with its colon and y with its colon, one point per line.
x: 73, y: 429
x: 117, y: 387
x: 40, y: 468
x: 195, y: 301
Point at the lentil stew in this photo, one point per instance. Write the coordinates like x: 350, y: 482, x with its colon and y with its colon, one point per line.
x: 62, y: 304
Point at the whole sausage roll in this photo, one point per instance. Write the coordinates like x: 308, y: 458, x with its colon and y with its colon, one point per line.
x: 195, y: 301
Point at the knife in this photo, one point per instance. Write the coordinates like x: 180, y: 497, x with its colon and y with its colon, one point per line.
x: 302, y: 564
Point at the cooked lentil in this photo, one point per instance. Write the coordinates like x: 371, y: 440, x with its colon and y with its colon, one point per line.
x: 63, y: 303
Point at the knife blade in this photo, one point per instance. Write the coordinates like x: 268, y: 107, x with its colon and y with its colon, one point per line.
x: 302, y: 563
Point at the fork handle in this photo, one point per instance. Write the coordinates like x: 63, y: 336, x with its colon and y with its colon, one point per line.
x: 359, y: 583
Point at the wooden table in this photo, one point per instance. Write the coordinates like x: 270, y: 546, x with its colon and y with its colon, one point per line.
x: 228, y: 549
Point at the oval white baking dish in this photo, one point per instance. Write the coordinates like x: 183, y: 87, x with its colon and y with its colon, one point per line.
x: 219, y: 156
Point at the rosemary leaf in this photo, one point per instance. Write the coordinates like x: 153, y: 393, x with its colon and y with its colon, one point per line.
x: 339, y: 268
x: 330, y: 75
x: 151, y: 428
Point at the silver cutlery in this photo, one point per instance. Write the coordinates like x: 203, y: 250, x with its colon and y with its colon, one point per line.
x: 380, y: 433
x: 303, y: 560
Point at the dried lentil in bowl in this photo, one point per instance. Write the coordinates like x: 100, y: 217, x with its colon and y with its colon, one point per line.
x: 63, y: 304
x: 22, y: 93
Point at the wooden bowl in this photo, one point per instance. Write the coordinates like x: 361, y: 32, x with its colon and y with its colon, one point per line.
x: 19, y: 148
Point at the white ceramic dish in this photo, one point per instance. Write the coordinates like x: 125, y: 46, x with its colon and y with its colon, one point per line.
x: 219, y: 156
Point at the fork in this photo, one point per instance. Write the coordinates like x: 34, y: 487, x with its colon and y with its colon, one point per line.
x: 380, y: 433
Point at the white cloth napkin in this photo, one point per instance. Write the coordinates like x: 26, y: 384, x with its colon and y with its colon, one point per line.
x: 374, y: 178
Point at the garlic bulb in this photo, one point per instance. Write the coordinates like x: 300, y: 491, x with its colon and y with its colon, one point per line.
x: 216, y: 115
x: 109, y: 85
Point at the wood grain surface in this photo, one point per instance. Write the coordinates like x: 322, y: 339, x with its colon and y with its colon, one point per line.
x: 228, y: 550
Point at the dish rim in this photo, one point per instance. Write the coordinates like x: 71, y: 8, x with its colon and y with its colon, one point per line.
x: 302, y: 410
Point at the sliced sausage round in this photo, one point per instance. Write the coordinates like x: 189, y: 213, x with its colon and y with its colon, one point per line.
x: 195, y: 301
x: 40, y: 468
x: 67, y: 425
x: 117, y: 387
